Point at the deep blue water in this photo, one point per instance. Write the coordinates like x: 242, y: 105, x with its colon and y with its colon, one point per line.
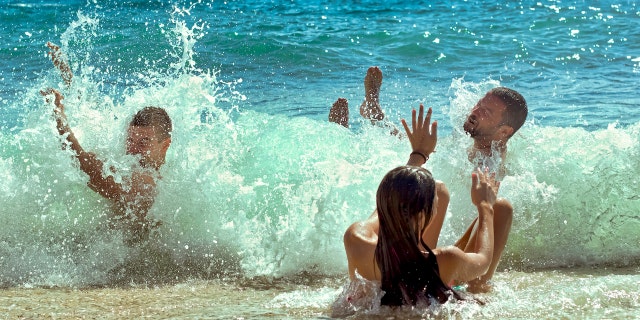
x: 576, y: 62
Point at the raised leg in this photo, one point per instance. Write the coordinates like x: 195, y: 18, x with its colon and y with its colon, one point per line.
x: 370, y: 108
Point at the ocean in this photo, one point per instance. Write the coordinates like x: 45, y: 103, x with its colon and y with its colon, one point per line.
x: 259, y: 187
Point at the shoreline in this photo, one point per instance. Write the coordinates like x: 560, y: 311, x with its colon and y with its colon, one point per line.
x: 517, y: 293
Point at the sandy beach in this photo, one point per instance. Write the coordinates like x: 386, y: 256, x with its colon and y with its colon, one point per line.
x: 568, y: 293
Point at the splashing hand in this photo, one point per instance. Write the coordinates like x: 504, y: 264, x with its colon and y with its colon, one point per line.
x: 484, y: 187
x: 424, y: 134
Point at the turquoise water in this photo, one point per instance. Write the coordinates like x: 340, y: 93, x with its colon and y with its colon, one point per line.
x: 257, y: 183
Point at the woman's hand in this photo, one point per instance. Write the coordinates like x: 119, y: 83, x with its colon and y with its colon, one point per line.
x: 423, y: 134
x: 484, y: 187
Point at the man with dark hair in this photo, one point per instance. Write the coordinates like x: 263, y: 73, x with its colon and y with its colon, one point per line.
x: 516, y: 107
x: 495, y: 118
x: 492, y: 121
x: 150, y: 123
x: 148, y: 136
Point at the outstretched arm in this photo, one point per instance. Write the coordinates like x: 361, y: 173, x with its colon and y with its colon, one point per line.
x: 423, y: 138
x: 59, y: 62
x: 483, y: 195
x: 455, y: 264
x: 89, y: 163
x: 61, y: 120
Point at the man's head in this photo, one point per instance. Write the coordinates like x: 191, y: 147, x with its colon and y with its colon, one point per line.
x: 149, y: 135
x: 497, y: 116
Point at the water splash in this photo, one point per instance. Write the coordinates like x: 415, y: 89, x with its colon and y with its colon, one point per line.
x: 268, y: 195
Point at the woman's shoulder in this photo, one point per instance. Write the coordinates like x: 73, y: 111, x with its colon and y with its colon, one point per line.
x: 449, y: 258
x: 449, y: 253
x: 360, y: 233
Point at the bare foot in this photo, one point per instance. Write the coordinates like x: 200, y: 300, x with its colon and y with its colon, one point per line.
x: 370, y: 108
x: 339, y: 112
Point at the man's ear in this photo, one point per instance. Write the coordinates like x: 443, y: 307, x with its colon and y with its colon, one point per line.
x: 505, y: 132
x: 165, y: 144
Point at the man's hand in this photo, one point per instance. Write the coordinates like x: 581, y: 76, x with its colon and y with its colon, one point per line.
x: 424, y: 134
x: 484, y: 187
x: 60, y: 63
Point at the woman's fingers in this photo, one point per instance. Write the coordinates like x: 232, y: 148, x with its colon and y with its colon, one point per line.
x: 427, y: 120
x: 406, y: 128
x: 413, y: 119
x: 420, y: 116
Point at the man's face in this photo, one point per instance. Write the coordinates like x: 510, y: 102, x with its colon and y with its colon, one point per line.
x: 143, y: 141
x: 486, y: 117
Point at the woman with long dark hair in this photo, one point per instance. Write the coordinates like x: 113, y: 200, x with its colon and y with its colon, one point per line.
x: 408, y: 267
x: 409, y: 271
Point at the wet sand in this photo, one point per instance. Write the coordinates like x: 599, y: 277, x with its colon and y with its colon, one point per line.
x: 566, y: 293
x: 210, y: 299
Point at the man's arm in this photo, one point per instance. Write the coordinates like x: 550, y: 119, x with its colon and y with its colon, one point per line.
x: 60, y: 63
x: 89, y: 163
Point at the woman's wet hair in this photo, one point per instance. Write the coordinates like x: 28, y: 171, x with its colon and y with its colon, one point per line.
x: 404, y: 202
